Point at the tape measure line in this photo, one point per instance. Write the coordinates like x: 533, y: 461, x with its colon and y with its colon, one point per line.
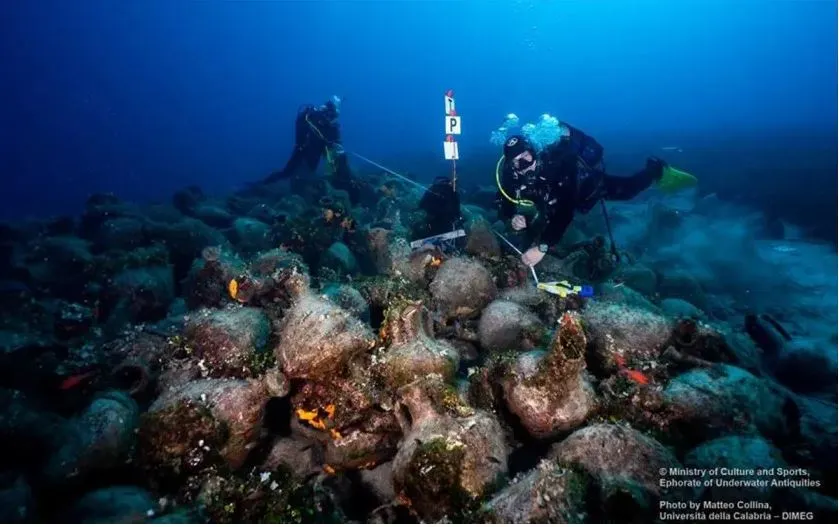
x: 508, y: 242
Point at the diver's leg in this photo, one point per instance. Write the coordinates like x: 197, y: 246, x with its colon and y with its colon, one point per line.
x: 342, y: 167
x: 626, y: 188
x: 312, y: 155
x: 343, y: 178
x: 291, y: 166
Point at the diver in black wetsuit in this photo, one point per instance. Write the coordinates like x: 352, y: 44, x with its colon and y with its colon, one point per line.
x: 441, y: 204
x: 565, y: 177
x: 317, y: 134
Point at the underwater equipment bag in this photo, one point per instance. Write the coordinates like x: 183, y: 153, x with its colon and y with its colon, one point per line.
x: 589, y: 155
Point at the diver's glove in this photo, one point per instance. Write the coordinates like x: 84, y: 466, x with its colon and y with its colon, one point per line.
x: 670, y: 179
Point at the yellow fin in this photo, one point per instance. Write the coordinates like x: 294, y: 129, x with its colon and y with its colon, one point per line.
x: 674, y: 180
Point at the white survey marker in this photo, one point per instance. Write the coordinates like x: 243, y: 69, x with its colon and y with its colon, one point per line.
x: 452, y: 125
x: 449, y: 98
x: 452, y: 128
x: 451, y: 153
x: 432, y: 240
x: 450, y: 149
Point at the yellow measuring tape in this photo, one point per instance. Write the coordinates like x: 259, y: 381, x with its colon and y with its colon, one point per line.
x: 561, y: 288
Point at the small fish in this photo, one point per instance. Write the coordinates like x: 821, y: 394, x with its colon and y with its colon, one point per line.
x: 637, y: 376
x: 493, y: 459
x: 620, y: 360
x: 75, y: 380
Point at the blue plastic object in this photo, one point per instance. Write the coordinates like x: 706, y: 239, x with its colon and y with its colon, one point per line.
x: 587, y: 291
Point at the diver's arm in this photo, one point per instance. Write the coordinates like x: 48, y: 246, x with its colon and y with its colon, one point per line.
x: 314, y: 125
x: 324, y: 129
x: 558, y: 213
x: 506, y: 208
x: 554, y: 227
x: 332, y: 133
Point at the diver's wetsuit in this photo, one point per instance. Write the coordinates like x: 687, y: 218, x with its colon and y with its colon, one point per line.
x: 317, y: 134
x: 570, y: 178
x: 441, y: 204
x: 315, y: 129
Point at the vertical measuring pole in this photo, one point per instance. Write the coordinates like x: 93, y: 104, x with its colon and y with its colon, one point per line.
x: 452, y: 129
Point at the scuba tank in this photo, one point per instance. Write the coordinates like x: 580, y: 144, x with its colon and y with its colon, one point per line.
x: 589, y: 185
x: 587, y: 149
x: 589, y: 154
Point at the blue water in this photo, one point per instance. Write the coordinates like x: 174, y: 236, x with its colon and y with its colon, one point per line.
x: 142, y: 98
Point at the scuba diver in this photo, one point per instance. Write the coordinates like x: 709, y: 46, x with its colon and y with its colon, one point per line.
x: 441, y: 204
x: 566, y: 177
x: 318, y: 134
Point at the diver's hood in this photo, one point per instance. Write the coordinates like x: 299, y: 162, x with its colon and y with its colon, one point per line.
x: 336, y: 102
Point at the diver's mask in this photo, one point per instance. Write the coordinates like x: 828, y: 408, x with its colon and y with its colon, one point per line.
x: 524, y: 163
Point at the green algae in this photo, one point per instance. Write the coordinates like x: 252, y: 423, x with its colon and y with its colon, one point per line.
x: 178, y: 442
x: 263, y: 497
x: 432, y: 482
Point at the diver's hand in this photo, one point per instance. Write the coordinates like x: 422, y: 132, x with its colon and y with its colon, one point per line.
x: 532, y: 256
x: 519, y: 222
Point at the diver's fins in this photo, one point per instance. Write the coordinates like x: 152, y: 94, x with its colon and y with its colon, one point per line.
x: 674, y: 180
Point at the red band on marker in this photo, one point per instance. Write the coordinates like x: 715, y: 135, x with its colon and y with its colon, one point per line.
x: 450, y: 138
x: 450, y: 93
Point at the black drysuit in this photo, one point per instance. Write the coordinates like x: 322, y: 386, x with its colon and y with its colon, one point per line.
x: 568, y: 179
